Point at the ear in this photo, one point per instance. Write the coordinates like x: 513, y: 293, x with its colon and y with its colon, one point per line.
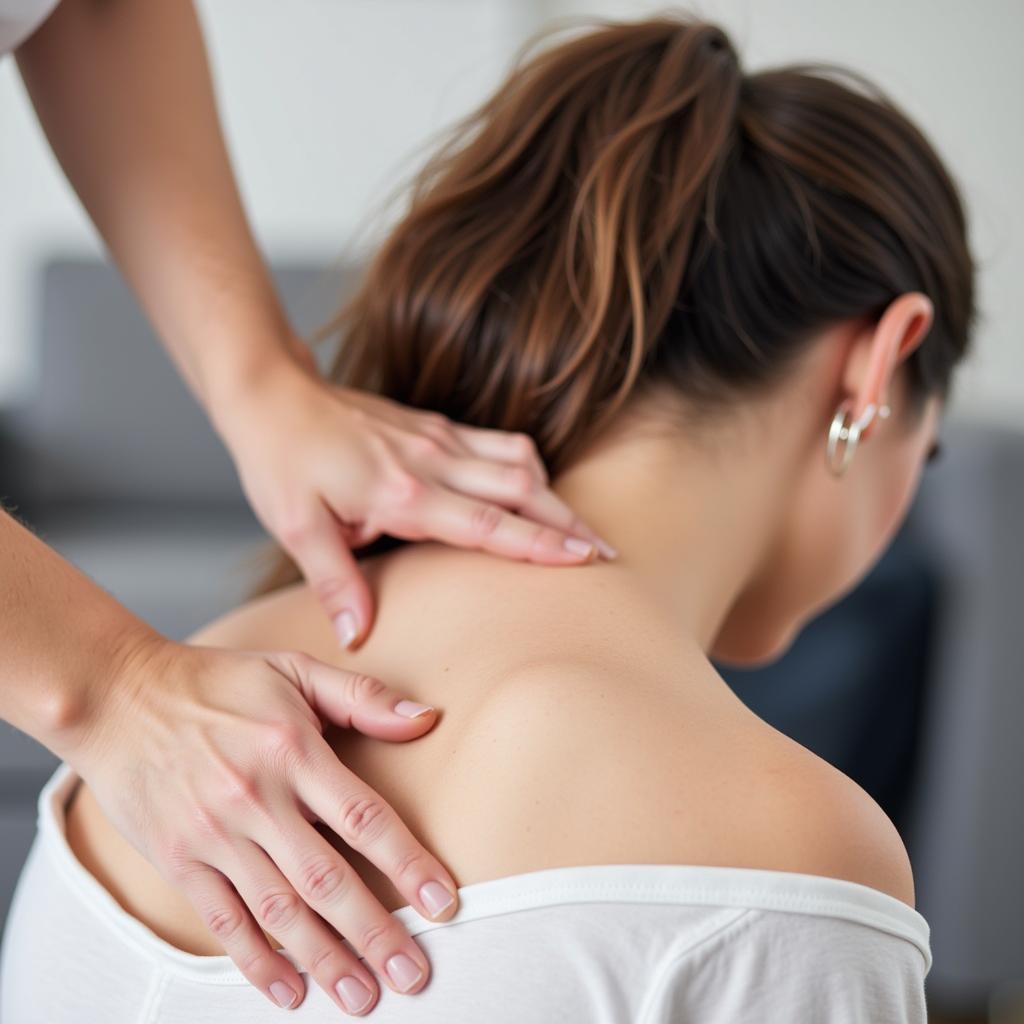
x: 872, y: 362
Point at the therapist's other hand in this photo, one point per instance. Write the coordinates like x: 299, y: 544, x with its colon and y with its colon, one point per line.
x: 328, y: 469
x: 213, y: 764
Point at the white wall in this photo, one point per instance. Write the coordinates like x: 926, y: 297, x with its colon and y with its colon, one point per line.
x: 324, y: 101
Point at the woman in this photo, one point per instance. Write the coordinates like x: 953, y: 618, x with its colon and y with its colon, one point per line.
x: 727, y: 307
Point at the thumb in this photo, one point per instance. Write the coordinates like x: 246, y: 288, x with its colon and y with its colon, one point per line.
x: 355, y: 700
x: 333, y: 574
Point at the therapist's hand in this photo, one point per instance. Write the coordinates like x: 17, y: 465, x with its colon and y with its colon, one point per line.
x: 213, y: 764
x: 328, y: 469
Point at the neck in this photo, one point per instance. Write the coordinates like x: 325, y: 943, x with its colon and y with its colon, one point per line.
x: 694, y: 519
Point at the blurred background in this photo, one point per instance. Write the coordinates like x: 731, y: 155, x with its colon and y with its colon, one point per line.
x: 911, y: 686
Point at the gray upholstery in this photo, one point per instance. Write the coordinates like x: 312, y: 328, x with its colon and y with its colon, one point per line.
x: 966, y: 829
x: 111, y: 420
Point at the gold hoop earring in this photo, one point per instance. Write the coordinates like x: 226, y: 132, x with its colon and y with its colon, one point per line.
x: 848, y: 434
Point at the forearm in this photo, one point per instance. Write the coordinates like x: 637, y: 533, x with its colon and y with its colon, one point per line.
x: 64, y: 640
x: 123, y: 91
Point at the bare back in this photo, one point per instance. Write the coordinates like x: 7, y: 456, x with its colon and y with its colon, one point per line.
x: 575, y: 728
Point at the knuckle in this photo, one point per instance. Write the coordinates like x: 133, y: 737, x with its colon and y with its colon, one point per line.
x: 525, y: 446
x: 374, y: 936
x: 405, y: 489
x: 545, y: 540
x: 411, y: 859
x: 329, y: 591
x: 485, y: 520
x: 520, y: 480
x: 363, y: 819
x: 323, y: 880
x: 278, y: 910
x: 300, y: 661
x: 251, y: 960
x: 360, y: 688
x: 436, y: 419
x: 293, y: 530
x: 282, y: 738
x: 208, y: 823
x: 176, y: 861
x: 224, y: 922
x: 443, y: 432
x: 425, y: 446
x: 239, y: 789
x: 322, y: 959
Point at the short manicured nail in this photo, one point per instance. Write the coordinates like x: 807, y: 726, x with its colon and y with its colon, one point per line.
x: 403, y: 972
x: 578, y: 546
x: 284, y: 995
x: 607, y: 551
x: 436, y: 898
x: 346, y: 627
x: 354, y: 995
x: 410, y: 709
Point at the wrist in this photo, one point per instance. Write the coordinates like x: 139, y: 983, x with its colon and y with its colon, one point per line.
x: 82, y: 712
x: 241, y: 386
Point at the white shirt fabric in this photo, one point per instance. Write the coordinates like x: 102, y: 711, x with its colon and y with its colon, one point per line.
x: 19, y: 19
x: 595, y: 944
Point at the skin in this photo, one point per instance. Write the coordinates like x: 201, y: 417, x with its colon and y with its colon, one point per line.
x: 123, y: 92
x: 596, y: 684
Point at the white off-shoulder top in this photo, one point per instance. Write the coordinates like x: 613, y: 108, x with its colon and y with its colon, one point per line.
x: 594, y: 944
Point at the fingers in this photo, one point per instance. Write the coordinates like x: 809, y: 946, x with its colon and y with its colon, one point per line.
x: 465, y: 522
x: 280, y: 911
x: 353, y: 700
x: 364, y: 820
x: 316, y: 544
x: 230, y: 922
x: 504, y: 467
x: 348, y: 806
x: 503, y: 445
x: 518, y: 487
x: 324, y: 881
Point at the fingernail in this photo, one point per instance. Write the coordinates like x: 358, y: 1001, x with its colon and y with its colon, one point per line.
x: 577, y: 546
x: 284, y: 995
x: 436, y: 898
x: 402, y: 970
x: 410, y: 709
x: 606, y: 549
x: 354, y: 995
x: 346, y: 627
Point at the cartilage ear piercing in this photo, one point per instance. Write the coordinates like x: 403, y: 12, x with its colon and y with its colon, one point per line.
x: 848, y: 434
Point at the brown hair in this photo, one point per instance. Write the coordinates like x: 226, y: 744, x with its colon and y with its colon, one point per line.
x: 629, y: 207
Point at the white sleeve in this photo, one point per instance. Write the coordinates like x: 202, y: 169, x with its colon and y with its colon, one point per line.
x: 774, y: 966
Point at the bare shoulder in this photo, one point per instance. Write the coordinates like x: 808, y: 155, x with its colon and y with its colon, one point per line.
x: 657, y: 775
x: 829, y: 825
x: 621, y: 752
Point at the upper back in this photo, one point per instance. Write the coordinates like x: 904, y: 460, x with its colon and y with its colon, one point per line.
x: 574, y: 728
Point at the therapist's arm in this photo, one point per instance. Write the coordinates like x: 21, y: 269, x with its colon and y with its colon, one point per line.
x: 204, y: 758
x: 123, y: 90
